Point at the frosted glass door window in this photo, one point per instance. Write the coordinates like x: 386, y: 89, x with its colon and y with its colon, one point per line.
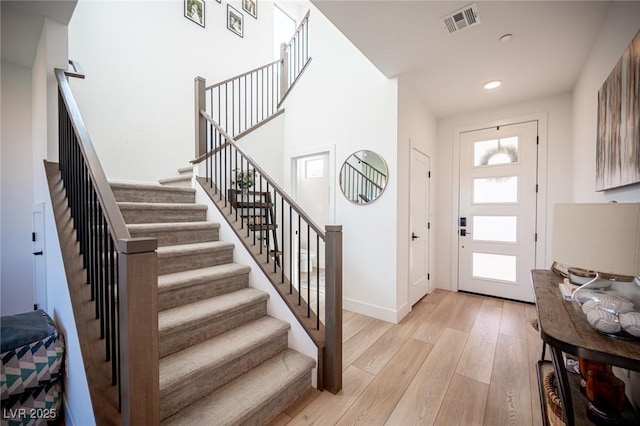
x: 494, y: 266
x: 495, y: 190
x: 495, y: 228
x: 495, y: 151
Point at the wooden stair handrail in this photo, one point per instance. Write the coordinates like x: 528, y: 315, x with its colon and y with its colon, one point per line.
x: 103, y: 190
x: 137, y: 275
x: 262, y: 173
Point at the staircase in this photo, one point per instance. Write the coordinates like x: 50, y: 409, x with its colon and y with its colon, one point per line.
x: 223, y: 360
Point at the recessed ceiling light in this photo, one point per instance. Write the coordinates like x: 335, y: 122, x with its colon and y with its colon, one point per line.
x: 492, y: 84
x: 506, y: 37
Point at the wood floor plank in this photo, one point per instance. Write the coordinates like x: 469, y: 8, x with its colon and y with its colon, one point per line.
x: 378, y: 355
x: 477, y: 358
x: 327, y: 408
x: 431, y: 328
x: 434, y: 392
x: 421, y: 402
x: 362, y: 340
x: 509, y: 400
x: 466, y: 310
x: 514, y: 321
x: 464, y: 403
x: 435, y: 297
x: 352, y: 326
x: 377, y: 402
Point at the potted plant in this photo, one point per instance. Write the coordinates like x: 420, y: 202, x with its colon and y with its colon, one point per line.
x: 244, y: 180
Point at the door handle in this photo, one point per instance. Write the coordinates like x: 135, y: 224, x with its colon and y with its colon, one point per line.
x: 37, y: 253
x: 464, y: 233
x: 414, y: 236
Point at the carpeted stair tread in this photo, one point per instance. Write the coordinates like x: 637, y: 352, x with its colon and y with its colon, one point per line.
x: 190, y: 363
x: 172, y: 233
x: 190, y: 249
x: 186, y: 170
x: 184, y: 257
x: 171, y: 226
x: 174, y: 180
x: 253, y: 398
x: 144, y: 192
x: 182, y: 279
x: 160, y: 206
x: 184, y: 316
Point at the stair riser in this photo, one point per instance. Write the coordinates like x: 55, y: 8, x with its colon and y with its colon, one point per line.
x: 175, y: 340
x: 170, y: 263
x: 191, y: 389
x: 140, y: 215
x: 154, y: 196
x: 171, y: 238
x: 281, y: 401
x: 193, y: 293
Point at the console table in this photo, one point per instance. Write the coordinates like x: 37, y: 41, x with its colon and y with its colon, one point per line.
x: 565, y: 329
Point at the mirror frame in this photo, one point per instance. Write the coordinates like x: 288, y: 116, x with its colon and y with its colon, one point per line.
x: 377, y: 181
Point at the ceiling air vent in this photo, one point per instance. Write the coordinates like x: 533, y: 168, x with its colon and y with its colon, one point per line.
x: 460, y: 19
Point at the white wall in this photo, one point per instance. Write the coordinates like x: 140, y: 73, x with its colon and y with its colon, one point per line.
x: 342, y: 100
x: 557, y: 110
x: 265, y: 145
x: 140, y: 59
x: 16, y: 278
x: 416, y: 129
x: 620, y: 26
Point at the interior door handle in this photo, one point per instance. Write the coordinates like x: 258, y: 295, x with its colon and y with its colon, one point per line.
x: 414, y: 236
x: 37, y: 253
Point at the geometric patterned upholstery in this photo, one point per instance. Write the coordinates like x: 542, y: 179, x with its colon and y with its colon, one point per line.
x: 32, y: 366
x: 34, y: 407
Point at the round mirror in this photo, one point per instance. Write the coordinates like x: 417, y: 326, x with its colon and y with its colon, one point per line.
x: 363, y: 177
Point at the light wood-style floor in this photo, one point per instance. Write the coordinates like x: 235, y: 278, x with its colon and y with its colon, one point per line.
x: 456, y: 359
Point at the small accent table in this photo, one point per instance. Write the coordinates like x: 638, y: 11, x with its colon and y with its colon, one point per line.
x: 565, y: 329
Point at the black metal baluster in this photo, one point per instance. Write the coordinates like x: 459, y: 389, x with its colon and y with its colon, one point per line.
x: 317, y: 281
x: 308, y: 272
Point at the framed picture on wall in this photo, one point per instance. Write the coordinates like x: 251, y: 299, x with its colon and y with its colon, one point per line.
x: 251, y: 7
x: 194, y: 10
x: 235, y: 20
x: 618, y: 134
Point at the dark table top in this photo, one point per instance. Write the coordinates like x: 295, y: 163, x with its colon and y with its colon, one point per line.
x: 564, y: 326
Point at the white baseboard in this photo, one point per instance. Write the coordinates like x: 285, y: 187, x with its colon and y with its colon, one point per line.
x: 378, y: 312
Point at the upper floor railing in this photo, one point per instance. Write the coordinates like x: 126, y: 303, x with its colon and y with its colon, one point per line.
x: 238, y: 104
x: 295, y: 56
x: 122, y: 271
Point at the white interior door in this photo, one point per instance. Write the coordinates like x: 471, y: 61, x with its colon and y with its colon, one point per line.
x: 39, y: 268
x: 312, y: 193
x: 419, y: 224
x: 497, y: 217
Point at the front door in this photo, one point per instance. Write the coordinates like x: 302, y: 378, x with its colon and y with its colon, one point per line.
x: 419, y: 227
x: 497, y: 217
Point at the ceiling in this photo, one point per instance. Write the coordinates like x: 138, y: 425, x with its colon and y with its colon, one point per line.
x: 551, y: 42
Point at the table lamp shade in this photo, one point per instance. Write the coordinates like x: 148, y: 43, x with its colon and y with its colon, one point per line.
x: 600, y: 237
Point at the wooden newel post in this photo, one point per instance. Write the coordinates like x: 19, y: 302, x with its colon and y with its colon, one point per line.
x: 333, y: 309
x: 138, y: 316
x: 201, y: 123
x: 284, y: 70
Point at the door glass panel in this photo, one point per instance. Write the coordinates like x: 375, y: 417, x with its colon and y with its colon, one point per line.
x: 495, y: 228
x: 494, y: 266
x: 495, y: 151
x: 495, y: 190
